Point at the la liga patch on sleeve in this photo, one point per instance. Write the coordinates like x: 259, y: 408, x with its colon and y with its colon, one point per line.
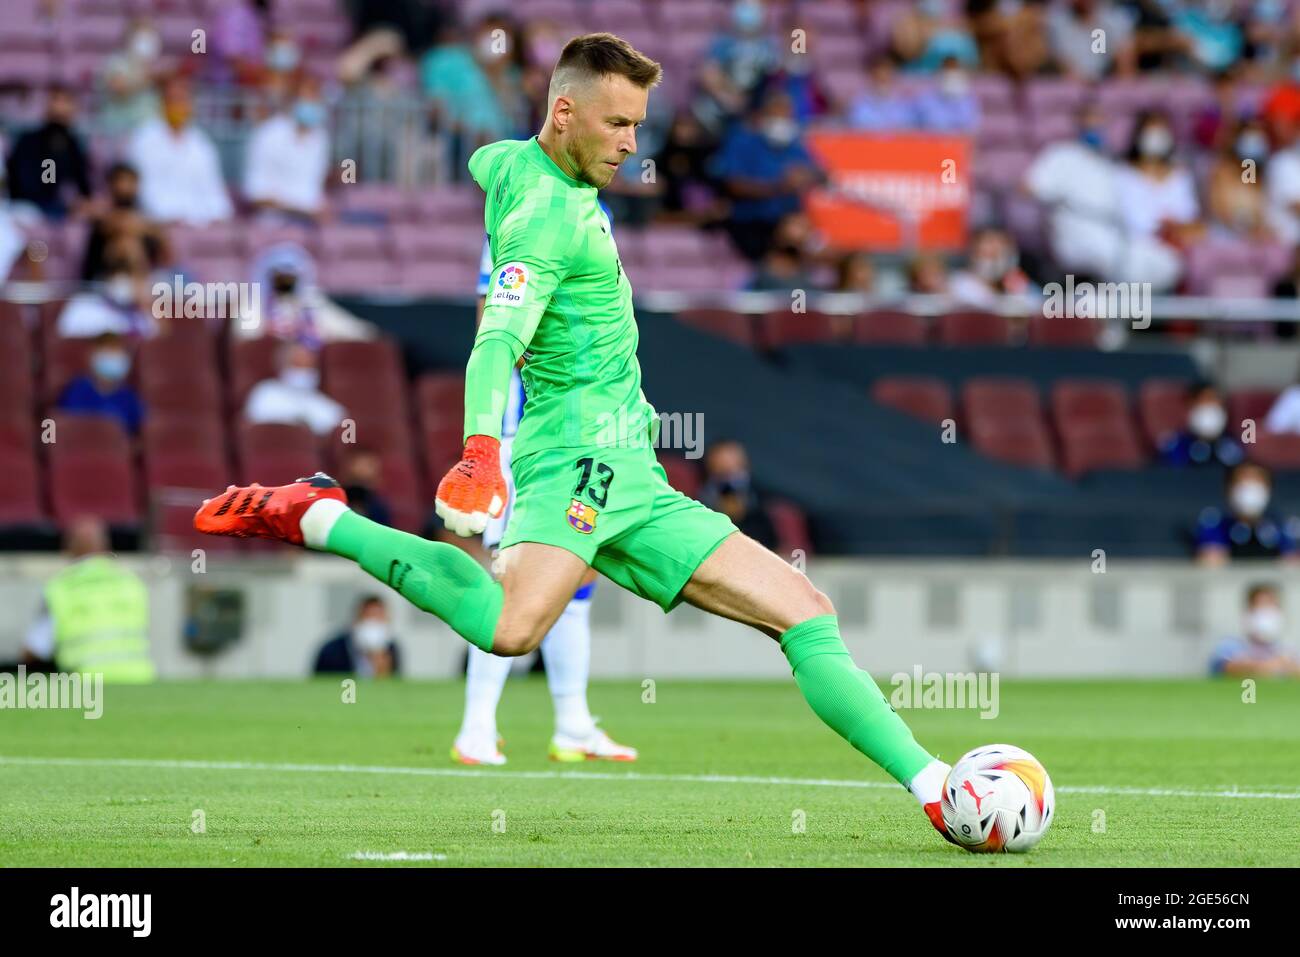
x: 509, y: 284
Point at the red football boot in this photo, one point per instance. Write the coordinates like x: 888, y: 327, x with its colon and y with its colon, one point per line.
x: 257, y: 511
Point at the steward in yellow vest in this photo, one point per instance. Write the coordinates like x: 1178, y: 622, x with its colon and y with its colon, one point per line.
x: 100, y: 613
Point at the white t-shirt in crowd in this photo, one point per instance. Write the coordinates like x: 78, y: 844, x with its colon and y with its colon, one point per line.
x: 1285, y: 414
x: 1145, y: 202
x: 1282, y: 181
x: 287, y: 164
x: 275, y: 401
x: 180, y: 174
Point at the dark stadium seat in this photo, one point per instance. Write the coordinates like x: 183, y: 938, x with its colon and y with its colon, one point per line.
x: 973, y: 329
x: 723, y: 323
x: 1250, y: 404
x: 988, y: 400
x: 1088, y: 447
x: 20, y: 485
x: 198, y: 396
x: 348, y: 359
x: 884, y: 327
x: 783, y: 327
x: 64, y: 361
x: 274, y: 438
x: 16, y: 379
x: 440, y: 397
x: 791, y: 525
x: 1280, y: 452
x: 683, y: 473
x: 95, y: 483
x: 1162, y: 409
x: 89, y: 435
x: 251, y: 361
x: 1070, y: 333
x: 924, y: 397
x: 168, y: 430
x: 206, y: 472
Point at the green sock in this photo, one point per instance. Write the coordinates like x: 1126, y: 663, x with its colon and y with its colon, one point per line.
x: 433, y: 576
x: 845, y: 697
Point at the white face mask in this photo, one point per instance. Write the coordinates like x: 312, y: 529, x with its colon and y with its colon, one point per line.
x: 1155, y: 142
x: 1249, y: 498
x: 780, y: 130
x: 1265, y: 623
x: 1207, y: 420
x: 371, y: 635
x: 298, y: 378
x: 145, y: 45
x: 120, y: 290
x: 954, y: 83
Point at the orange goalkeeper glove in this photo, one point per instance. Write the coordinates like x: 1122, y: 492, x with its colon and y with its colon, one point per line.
x: 474, y: 490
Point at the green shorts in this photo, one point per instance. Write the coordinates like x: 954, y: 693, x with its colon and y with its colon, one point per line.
x: 614, y: 509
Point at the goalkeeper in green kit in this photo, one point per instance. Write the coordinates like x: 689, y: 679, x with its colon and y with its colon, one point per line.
x: 589, y: 491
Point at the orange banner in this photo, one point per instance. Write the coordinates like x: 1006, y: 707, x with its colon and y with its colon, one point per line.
x: 891, y: 192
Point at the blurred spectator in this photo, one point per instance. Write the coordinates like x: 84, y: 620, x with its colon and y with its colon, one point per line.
x: 288, y: 159
x: 882, y: 105
x: 118, y: 302
x: 1079, y: 184
x: 1289, y: 285
x: 1258, y: 650
x: 728, y: 489
x: 1244, y: 527
x: 1237, y: 203
x: 102, y: 389
x: 127, y: 93
x: 116, y: 219
x: 95, y: 614
x: 796, y: 76
x: 765, y: 169
x: 855, y: 273
x: 950, y: 107
x: 238, y: 42
x: 290, y: 305
x: 1212, y: 38
x: 1206, y: 439
x: 387, y: 29
x: 786, y: 266
x: 929, y: 32
x: 1284, y: 416
x: 48, y: 164
x: 1159, y: 46
x: 361, y: 475
x: 993, y: 271
x: 293, y: 397
x: 1072, y: 28
x: 475, y: 86
x: 282, y: 70
x: 927, y: 275
x: 1215, y: 122
x: 1281, y: 108
x: 1011, y: 37
x: 735, y: 65
x: 180, y: 172
x: 1283, y: 188
x: 683, y: 164
x: 1157, y: 201
x: 366, y: 649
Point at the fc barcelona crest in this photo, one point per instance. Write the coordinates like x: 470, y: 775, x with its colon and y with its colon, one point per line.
x: 582, y: 516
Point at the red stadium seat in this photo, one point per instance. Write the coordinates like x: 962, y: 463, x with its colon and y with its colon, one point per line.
x: 89, y: 435
x: 924, y: 397
x: 973, y: 329
x: 1026, y: 444
x: 1252, y: 404
x: 98, y: 484
x: 887, y: 328
x: 1089, y: 401
x: 440, y: 396
x: 791, y: 525
x: 733, y: 326
x: 20, y: 497
x: 1062, y: 332
x: 1162, y: 409
x: 785, y: 328
x: 274, y: 438
x: 65, y: 360
x: 1278, y: 451
x: 251, y: 361
x: 683, y: 473
x: 1087, y: 448
x: 992, y: 400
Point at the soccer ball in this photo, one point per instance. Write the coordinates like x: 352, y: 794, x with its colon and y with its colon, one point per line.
x: 997, y: 798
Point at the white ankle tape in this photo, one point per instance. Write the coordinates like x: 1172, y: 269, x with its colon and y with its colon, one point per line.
x: 317, y: 521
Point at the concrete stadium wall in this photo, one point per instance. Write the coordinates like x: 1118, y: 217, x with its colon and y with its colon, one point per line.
x: 1039, y: 618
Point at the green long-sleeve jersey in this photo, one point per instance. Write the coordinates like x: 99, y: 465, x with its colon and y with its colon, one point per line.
x: 558, y: 297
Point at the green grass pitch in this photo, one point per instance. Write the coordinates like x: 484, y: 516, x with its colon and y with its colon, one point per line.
x: 285, y: 773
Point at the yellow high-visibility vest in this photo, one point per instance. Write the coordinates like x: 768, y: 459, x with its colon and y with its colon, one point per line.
x: 101, y: 621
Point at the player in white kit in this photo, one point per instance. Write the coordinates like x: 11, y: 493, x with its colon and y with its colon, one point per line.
x: 566, y: 649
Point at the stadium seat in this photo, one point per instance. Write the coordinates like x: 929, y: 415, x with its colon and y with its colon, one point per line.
x: 1089, y: 447
x: 20, y: 485
x: 973, y: 329
x: 1025, y: 444
x: 1162, y: 409
x: 791, y: 525
x: 251, y: 361
x: 99, y: 483
x: 1278, y: 451
x: 734, y: 326
x: 785, y: 328
x: 99, y: 435
x: 1252, y: 404
x: 1088, y: 401
x: 1062, y: 332
x: 440, y: 397
x: 683, y: 473
x: 889, y: 328
x: 65, y: 360
x: 993, y: 400
x: 924, y: 397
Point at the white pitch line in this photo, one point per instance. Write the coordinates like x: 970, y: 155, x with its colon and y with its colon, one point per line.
x: 397, y: 856
x: 633, y: 776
